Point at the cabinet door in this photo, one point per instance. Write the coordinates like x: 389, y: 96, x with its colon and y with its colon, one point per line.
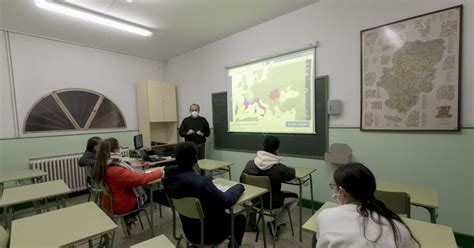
x: 169, y: 99
x: 155, y: 101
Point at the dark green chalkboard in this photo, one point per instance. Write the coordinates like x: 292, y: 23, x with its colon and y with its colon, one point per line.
x: 298, y: 145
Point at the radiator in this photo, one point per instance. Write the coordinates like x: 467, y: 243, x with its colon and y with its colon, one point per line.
x: 65, y: 168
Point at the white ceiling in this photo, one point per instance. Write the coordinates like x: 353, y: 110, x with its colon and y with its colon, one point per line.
x: 179, y: 26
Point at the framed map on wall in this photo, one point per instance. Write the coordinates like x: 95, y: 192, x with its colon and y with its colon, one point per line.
x: 410, y: 73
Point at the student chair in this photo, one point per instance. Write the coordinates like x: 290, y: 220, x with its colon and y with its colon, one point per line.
x: 120, y: 217
x: 4, y: 237
x: 94, y: 189
x: 398, y: 202
x: 264, y: 182
x: 191, y: 208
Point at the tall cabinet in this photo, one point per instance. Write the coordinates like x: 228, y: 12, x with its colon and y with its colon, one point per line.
x: 157, y: 113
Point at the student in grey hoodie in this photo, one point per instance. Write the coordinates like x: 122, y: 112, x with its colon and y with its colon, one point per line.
x: 267, y: 163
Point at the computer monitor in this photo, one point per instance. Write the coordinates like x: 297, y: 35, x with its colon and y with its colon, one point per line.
x: 138, y: 141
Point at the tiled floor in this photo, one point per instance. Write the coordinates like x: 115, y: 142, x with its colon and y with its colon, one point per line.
x: 164, y: 225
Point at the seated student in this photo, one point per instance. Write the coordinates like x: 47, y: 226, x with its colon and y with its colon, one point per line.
x: 89, y: 156
x: 361, y: 220
x: 123, y: 182
x: 267, y: 163
x: 182, y: 181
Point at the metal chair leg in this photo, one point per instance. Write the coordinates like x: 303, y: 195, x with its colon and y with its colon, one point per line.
x: 140, y: 220
x: 148, y: 220
x: 274, y: 233
x: 124, y: 227
x: 258, y: 230
x: 291, y: 222
x: 161, y: 214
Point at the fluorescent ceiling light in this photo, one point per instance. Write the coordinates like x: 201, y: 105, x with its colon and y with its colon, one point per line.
x: 84, y: 15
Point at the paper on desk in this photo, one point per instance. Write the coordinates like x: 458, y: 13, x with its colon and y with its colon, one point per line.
x: 222, y: 187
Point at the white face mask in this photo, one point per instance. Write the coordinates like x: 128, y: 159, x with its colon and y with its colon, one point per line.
x: 335, y: 198
x: 194, y: 114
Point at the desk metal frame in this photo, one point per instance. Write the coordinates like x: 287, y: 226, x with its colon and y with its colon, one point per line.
x: 420, y: 197
x: 299, y: 182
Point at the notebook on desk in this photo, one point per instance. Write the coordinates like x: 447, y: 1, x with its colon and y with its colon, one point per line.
x: 222, y: 187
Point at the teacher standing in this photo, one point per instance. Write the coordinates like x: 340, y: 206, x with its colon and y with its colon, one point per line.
x: 195, y: 128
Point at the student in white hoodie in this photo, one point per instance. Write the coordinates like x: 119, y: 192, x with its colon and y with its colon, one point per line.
x: 267, y: 163
x: 361, y: 220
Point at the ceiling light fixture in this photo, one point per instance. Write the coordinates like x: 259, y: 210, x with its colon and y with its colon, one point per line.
x: 92, y: 17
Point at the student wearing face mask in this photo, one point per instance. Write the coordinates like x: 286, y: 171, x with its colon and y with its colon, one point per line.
x: 195, y: 128
x: 361, y: 220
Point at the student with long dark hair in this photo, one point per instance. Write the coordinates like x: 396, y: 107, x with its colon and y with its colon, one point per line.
x: 89, y: 156
x: 361, y: 220
x: 123, y: 182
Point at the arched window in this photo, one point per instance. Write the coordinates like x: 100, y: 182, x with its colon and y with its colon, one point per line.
x: 73, y: 109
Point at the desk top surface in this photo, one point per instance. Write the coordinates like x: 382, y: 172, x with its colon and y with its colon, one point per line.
x: 135, y: 160
x: 157, y: 180
x: 161, y: 241
x: 428, y: 234
x: 302, y: 172
x: 21, y: 175
x: 418, y: 196
x: 32, y: 192
x: 61, y: 227
x: 250, y: 193
x: 209, y: 164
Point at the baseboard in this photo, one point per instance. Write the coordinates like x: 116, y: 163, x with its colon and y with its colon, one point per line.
x: 462, y: 240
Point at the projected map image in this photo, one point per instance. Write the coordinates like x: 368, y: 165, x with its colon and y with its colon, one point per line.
x: 273, y: 97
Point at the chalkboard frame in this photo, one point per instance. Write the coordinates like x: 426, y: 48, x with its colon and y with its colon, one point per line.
x: 292, y: 145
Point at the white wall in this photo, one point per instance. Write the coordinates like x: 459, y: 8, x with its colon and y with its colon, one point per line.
x: 438, y: 160
x: 336, y: 24
x: 41, y: 66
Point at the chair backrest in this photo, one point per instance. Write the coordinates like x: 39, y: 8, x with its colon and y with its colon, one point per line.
x: 190, y: 207
x: 398, y: 202
x: 106, y: 192
x: 88, y: 170
x: 3, y: 238
x: 259, y: 181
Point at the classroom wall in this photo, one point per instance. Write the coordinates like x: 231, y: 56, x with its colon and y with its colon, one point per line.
x: 439, y: 160
x: 41, y: 66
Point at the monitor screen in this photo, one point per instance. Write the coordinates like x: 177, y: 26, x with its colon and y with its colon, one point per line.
x: 138, y: 141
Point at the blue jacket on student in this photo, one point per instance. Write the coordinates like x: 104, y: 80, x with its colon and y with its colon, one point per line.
x: 184, y: 182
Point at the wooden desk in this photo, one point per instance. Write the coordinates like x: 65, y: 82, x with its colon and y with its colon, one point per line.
x: 20, y: 175
x: 429, y: 235
x: 302, y: 175
x: 156, y: 163
x: 32, y: 193
x: 161, y: 241
x: 422, y: 197
x: 62, y: 227
x: 250, y: 193
x: 215, y: 165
